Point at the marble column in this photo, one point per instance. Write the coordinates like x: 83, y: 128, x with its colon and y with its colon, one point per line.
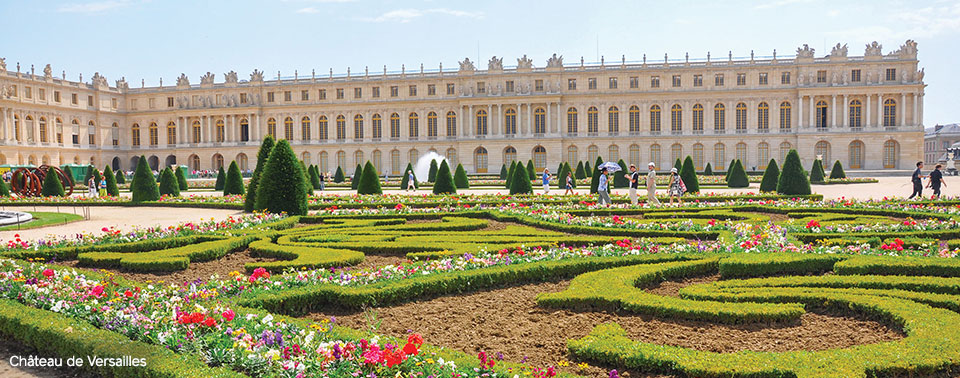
x: 879, y: 109
x: 800, y: 112
x: 867, y: 110
x: 916, y: 109
x: 903, y: 109
x: 846, y: 112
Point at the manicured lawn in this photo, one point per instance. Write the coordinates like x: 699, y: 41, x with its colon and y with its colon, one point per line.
x: 43, y: 219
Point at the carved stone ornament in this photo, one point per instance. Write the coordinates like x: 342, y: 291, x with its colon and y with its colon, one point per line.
x: 524, y: 62
x: 495, y: 64
x: 805, y: 51
x: 555, y: 61
x: 467, y: 65
x: 122, y: 84
x: 920, y: 75
x: 256, y: 76
x: 839, y: 51
x: 99, y: 81
x: 230, y: 77
x: 47, y: 72
x: 873, y: 49
x: 908, y: 50
x: 207, y: 79
x: 3, y: 64
x: 183, y: 81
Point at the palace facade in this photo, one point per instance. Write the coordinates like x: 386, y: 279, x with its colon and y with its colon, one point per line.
x: 866, y: 111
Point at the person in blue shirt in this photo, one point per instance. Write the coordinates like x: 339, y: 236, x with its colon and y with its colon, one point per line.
x: 603, y: 188
x: 546, y: 181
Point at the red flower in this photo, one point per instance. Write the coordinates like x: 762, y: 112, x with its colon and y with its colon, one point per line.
x: 415, y: 339
x: 813, y: 223
x: 128, y: 293
x: 97, y: 290
x: 210, y: 322
x: 228, y: 315
x: 410, y: 349
x: 48, y: 272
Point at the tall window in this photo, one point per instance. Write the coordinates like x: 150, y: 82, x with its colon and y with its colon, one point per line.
x: 698, y: 156
x: 451, y: 124
x: 377, y: 129
x: 719, y: 118
x: 358, y: 127
x: 655, y: 119
x: 571, y: 120
x: 592, y: 153
x: 741, y: 152
x: 394, y: 126
x: 481, y: 122
x: 763, y: 117
x: 698, y: 118
x: 891, y: 153
x: 741, y: 117
x: 856, y: 155
x: 655, y: 154
x: 221, y: 131
x: 271, y: 128
x: 763, y: 155
x: 288, y: 128
x: 613, y: 120
x: 322, y: 128
x: 395, y: 164
x: 676, y: 152
x: 539, y: 158
x: 154, y: 134
x: 822, y: 150
x: 196, y: 130
x: 432, y: 125
x: 171, y: 133
x: 510, y: 122
x: 341, y: 127
x: 377, y: 160
x: 889, y: 113
x: 244, y: 131
x: 784, y: 115
x: 342, y: 159
x: 305, y: 128
x: 413, y: 123
x: 572, y: 154
x: 676, y: 118
x: 217, y: 161
x: 510, y: 155
x: 539, y: 121
x: 635, y: 155
x: 720, y: 155
x: 593, y: 124
x: 43, y: 129
x: 785, y: 148
x: 821, y: 114
x: 856, y: 114
x: 480, y: 160
x: 613, y: 152
x: 357, y: 160
x: 634, y: 119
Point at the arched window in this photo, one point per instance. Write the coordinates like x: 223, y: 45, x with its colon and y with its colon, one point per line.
x: 856, y: 114
x: 655, y: 154
x: 635, y: 155
x: 244, y: 130
x: 613, y: 152
x: 197, y: 134
x: 592, y: 153
x: 539, y: 158
x: 741, y: 153
x: 394, y: 126
x: 451, y: 124
x: 698, y: 156
x: 358, y: 127
x: 16, y: 130
x: 154, y: 134
x: 741, y: 117
x: 613, y: 120
x: 785, y: 116
x: 633, y: 118
x: 217, y: 161
x: 305, y: 157
x: 593, y: 120
x: 676, y: 153
x: 889, y: 113
x: 763, y: 155
x: 134, y: 135
x: 395, y: 164
x: 305, y: 128
x: 572, y: 155
x: 29, y: 126
x: 452, y: 157
x: 377, y: 129
x: 432, y: 125
x: 698, y: 119
x: 539, y: 121
x: 43, y: 129
x: 242, y: 161
x: 413, y: 155
x: 822, y: 150
x: 763, y: 118
x: 194, y: 162
x: 509, y: 155
x: 480, y: 160
x: 413, y: 124
x: 322, y: 132
x: 481, y: 127
x: 655, y: 119
x: 510, y: 122
x: 891, y: 154
x: 785, y: 148
x: 221, y: 132
x: 171, y: 133
x: 821, y: 114
x: 341, y: 160
x: 341, y: 128
x: 572, y: 121
x: 59, y: 132
x: 271, y: 128
x: 720, y: 156
x: 676, y: 118
x: 856, y: 155
x: 357, y: 159
x: 719, y: 118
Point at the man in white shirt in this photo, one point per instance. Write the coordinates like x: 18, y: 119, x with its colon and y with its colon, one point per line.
x: 652, y: 185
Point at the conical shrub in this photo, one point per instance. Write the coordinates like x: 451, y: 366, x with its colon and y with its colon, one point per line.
x: 619, y: 179
x: 221, y: 179
x: 793, y: 181
x: 406, y: 178
x: 369, y: 180
x: 460, y: 178
x: 837, y: 172
x: 562, y: 175
x: 4, y: 190
x: 444, y: 183
x: 520, y: 184
x: 51, y: 186
x: 112, y: 189
x: 281, y: 187
x: 816, y: 172
x: 580, y: 173
x: 595, y: 180
x: 503, y: 171
x: 771, y: 176
x: 355, y: 180
x: 587, y: 170
x: 730, y: 169
x: 233, y: 184
x: 121, y: 178
x: 678, y: 164
x: 250, y: 200
x: 338, y: 177
x: 531, y: 171
x: 182, y: 178
x: 513, y: 168
x: 708, y: 170
x: 314, y: 176
x: 688, y: 173
x: 168, y: 183
x: 738, y: 176
x: 432, y: 174
x: 144, y: 186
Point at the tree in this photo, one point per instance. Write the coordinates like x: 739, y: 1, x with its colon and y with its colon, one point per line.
x: 406, y: 178
x: 587, y: 171
x: 121, y: 178
x: 112, y: 189
x: 619, y: 179
x: 86, y: 177
x: 793, y: 181
x: 96, y: 176
x: 182, y: 178
x: 4, y: 191
x: 355, y: 180
x: 460, y: 178
x: 562, y: 175
x: 503, y: 171
x: 339, y: 177
x: 144, y: 186
x: 52, y: 187
x: 444, y: 183
x: 580, y: 174
x: 708, y: 170
x: 281, y: 187
x: 678, y: 164
x: 432, y: 174
x: 816, y: 172
x: 531, y: 171
x: 369, y: 180
x: 837, y: 171
x: 738, y: 176
x: 221, y: 178
x: 770, y: 177
x: 168, y: 183
x: 520, y: 184
x: 730, y: 169
x: 233, y: 184
x: 250, y: 201
x: 688, y: 173
x: 513, y: 168
x: 314, y: 176
x: 595, y: 180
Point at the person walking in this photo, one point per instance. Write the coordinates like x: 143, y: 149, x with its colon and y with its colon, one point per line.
x: 569, y: 190
x: 92, y: 186
x: 633, y: 178
x: 936, y: 180
x: 676, y: 187
x: 652, y: 184
x: 103, y: 186
x: 323, y: 183
x: 546, y: 181
x: 917, y: 180
x: 603, y: 188
x: 410, y: 183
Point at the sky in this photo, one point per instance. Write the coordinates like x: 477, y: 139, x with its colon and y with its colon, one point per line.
x: 153, y: 39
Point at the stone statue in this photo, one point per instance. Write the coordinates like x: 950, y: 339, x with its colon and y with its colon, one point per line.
x: 183, y: 81
x: 47, y: 71
x: 805, y: 51
x: 903, y: 76
x: 524, y: 62
x: 873, y: 49
x: 908, y: 50
x: 846, y: 78
x: 122, y: 84
x: 556, y: 61
x: 839, y: 51
x: 467, y: 65
x: 256, y: 76
x: 495, y: 64
x: 207, y: 79
x: 3, y: 64
x: 99, y: 81
x: 920, y: 75
x: 230, y: 77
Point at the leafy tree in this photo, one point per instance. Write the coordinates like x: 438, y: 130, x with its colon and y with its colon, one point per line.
x: 144, y: 185
x: 281, y: 187
x: 513, y: 168
x: 112, y: 189
x: 369, y: 180
x: 738, y: 176
x: 837, y: 171
x: 168, y: 183
x: 86, y: 177
x: 182, y: 178
x: 688, y: 173
x: 562, y: 175
x: 355, y: 180
x: 432, y: 174
x: 708, y: 170
x: 532, y: 172
x: 460, y: 178
x: 580, y: 173
x: 314, y: 176
x: 587, y: 170
x: 503, y: 171
x: 250, y: 201
x: 406, y: 178
x: 595, y: 181
x: 4, y: 190
x: 678, y: 164
x: 221, y: 178
x: 771, y: 176
x: 121, y: 178
x: 444, y: 183
x: 339, y: 177
x: 793, y: 181
x: 520, y: 184
x: 52, y: 187
x: 233, y: 184
x: 816, y: 173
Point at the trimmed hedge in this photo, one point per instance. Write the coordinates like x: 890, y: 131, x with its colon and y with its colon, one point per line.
x: 233, y: 185
x: 432, y: 174
x: 444, y: 180
x: 281, y: 188
x: 182, y: 178
x: 369, y: 182
x: 520, y: 184
x: 738, y: 176
x: 221, y: 179
x: 111, y: 178
x: 168, y: 183
x: 52, y: 187
x: 263, y: 154
x: 688, y: 174
x: 460, y: 178
x: 144, y: 186
x: 771, y: 176
x: 837, y: 171
x: 793, y: 181
x: 406, y: 178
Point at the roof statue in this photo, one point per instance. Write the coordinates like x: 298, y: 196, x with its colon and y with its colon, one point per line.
x: 122, y: 84
x: 99, y: 81
x: 256, y: 76
x: 183, y: 81
x: 495, y: 64
x: 467, y: 65
x: 805, y: 51
x: 3, y: 64
x: 908, y: 50
x: 47, y: 71
x: 524, y: 62
x: 873, y: 49
x: 230, y: 77
x: 207, y: 79
x: 839, y: 51
x: 555, y: 61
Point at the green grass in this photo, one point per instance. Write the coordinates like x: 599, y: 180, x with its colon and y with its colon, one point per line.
x: 44, y: 219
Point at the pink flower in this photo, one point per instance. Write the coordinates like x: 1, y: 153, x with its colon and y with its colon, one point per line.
x: 48, y: 273
x: 228, y: 315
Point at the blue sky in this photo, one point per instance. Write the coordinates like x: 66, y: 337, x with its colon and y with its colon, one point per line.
x: 142, y: 39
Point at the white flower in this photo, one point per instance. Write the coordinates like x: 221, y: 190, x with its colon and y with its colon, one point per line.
x: 267, y: 319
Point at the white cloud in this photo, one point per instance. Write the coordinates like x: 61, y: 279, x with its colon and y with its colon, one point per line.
x: 910, y: 23
x: 92, y: 7
x: 308, y: 10
x: 408, y: 15
x: 779, y: 3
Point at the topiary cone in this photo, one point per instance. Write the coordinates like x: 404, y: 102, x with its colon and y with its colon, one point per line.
x: 369, y: 182
x: 233, y: 184
x: 144, y: 186
x: 281, y: 187
x: 771, y: 176
x: 444, y: 183
x: 793, y: 181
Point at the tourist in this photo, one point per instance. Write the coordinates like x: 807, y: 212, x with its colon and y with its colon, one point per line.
x: 676, y: 187
x: 410, y: 182
x: 602, y: 188
x: 936, y: 180
x: 633, y: 178
x: 917, y: 180
x: 546, y: 181
x: 91, y: 185
x: 322, y: 183
x: 103, y: 186
x: 569, y: 190
x: 652, y: 184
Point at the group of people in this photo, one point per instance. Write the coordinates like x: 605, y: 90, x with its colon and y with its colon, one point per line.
x: 934, y: 181
x: 97, y: 189
x: 676, y: 188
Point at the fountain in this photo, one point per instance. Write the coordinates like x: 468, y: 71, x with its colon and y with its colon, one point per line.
x: 14, y: 217
x: 422, y: 167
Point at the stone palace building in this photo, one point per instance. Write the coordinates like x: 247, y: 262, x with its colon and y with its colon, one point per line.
x: 866, y: 111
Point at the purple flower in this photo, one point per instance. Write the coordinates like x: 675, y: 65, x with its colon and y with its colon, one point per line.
x: 614, y: 374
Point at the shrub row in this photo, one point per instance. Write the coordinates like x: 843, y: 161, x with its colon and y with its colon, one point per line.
x: 758, y: 265
x: 166, y: 260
